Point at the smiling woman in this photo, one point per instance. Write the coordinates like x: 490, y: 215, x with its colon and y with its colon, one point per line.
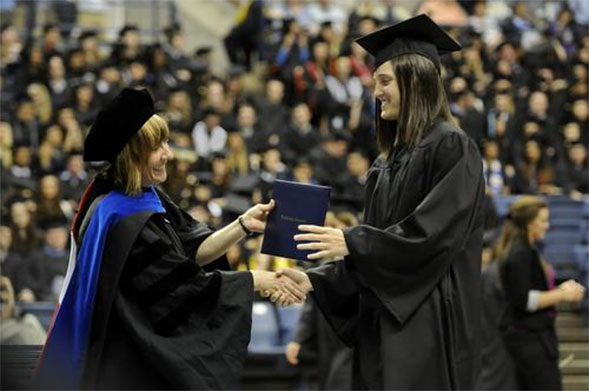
x: 149, y: 300
x: 404, y: 294
x: 142, y: 162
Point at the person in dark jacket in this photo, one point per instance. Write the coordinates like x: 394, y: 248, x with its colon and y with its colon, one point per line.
x: 404, y: 294
x: 528, y: 282
x: 149, y: 301
x: 497, y: 369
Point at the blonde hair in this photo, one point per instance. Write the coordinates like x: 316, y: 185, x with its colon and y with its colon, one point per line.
x: 6, y: 143
x: 521, y: 213
x: 42, y: 99
x: 127, y: 168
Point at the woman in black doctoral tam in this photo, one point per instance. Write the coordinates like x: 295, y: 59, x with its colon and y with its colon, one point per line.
x: 149, y: 301
x: 406, y: 293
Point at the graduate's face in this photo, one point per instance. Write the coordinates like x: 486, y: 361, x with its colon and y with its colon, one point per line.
x: 386, y: 90
x: 537, y: 228
x: 154, y: 172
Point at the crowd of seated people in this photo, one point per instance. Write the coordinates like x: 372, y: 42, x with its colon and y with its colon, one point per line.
x: 297, y: 104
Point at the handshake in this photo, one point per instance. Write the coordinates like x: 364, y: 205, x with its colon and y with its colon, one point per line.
x: 284, y: 287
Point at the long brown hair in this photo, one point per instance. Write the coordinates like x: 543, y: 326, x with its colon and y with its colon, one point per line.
x: 126, y: 170
x: 515, y: 229
x: 423, y: 101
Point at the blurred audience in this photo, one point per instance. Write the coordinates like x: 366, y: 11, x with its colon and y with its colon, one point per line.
x: 295, y: 104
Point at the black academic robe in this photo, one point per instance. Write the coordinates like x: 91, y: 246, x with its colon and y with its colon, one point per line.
x: 334, y: 359
x: 160, y: 321
x: 497, y: 368
x: 407, y: 297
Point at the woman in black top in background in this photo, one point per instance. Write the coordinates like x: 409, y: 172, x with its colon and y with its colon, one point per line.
x: 528, y: 281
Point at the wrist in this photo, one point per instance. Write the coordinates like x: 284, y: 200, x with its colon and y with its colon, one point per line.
x: 262, y: 279
x: 255, y: 279
x: 248, y: 232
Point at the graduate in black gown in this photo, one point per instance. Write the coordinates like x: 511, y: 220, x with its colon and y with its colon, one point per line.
x: 497, y: 368
x: 149, y: 301
x: 405, y: 294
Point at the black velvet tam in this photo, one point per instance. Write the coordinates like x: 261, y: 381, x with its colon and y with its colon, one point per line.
x: 419, y: 35
x: 116, y: 123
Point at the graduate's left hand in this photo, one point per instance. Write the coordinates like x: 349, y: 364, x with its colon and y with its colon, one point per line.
x: 255, y: 217
x: 329, y: 242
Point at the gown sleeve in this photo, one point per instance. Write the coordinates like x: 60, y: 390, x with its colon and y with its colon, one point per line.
x: 192, y: 234
x: 402, y: 263
x: 306, y: 332
x: 336, y: 293
x: 172, y: 287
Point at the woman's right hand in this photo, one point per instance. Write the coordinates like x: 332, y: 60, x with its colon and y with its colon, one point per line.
x: 572, y: 291
x: 292, y: 352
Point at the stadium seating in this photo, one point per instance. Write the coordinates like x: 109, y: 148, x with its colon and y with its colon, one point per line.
x: 265, y: 336
x: 43, y: 310
x: 288, y: 318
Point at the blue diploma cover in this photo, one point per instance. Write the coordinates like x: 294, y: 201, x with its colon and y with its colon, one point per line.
x: 296, y: 204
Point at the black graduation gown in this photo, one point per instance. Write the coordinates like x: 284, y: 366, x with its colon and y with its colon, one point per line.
x: 407, y: 297
x: 497, y: 368
x: 334, y: 359
x: 160, y: 321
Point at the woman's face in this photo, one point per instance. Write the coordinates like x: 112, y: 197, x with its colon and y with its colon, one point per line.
x: 539, y: 225
x: 54, y: 136
x: 56, y: 67
x: 49, y: 187
x: 343, y: 67
x: 21, y: 217
x: 386, y: 90
x: 533, y: 151
x: 154, y: 172
x: 320, y: 51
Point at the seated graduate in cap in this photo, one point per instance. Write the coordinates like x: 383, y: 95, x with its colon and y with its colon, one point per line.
x: 406, y: 294
x: 149, y: 302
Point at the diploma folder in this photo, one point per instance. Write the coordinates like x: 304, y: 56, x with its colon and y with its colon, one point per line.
x: 296, y: 204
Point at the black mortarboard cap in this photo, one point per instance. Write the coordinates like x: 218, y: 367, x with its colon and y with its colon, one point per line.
x: 419, y: 35
x: 116, y: 123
